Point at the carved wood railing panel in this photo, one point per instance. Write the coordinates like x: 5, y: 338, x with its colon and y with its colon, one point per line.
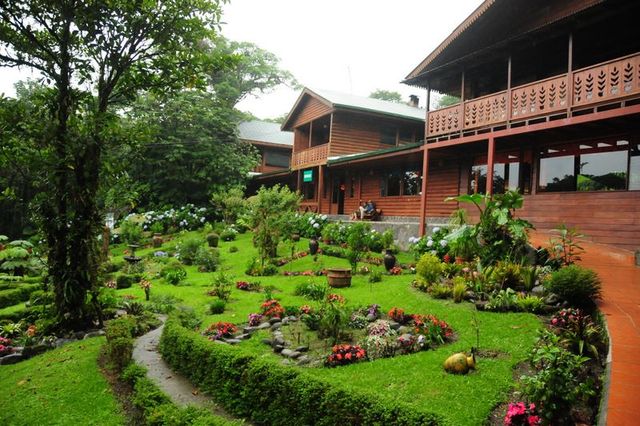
x: 608, y: 81
x: 444, y: 120
x: 486, y: 111
x: 539, y: 98
x: 311, y: 156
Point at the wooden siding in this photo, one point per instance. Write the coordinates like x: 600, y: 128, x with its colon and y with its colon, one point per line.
x: 308, y: 110
x: 354, y: 133
x: 442, y: 183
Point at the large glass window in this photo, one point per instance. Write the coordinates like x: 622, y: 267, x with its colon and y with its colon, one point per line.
x: 401, y: 182
x: 634, y: 167
x: 411, y: 183
x: 276, y: 159
x: 589, y: 166
x: 388, y: 136
x: 507, y: 174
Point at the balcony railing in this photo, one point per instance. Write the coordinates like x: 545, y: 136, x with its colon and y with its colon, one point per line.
x: 310, y: 157
x: 598, y: 84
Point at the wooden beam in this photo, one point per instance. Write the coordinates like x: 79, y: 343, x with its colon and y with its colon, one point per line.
x: 570, y: 75
x: 320, y: 179
x: 423, y: 197
x: 490, y: 159
x: 299, y: 182
x: 509, y: 91
x: 426, y: 120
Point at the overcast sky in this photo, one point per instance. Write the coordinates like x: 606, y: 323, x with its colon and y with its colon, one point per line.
x: 351, y: 46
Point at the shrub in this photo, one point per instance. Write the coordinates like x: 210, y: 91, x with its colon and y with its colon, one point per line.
x: 120, y: 341
x: 256, y: 268
x: 269, y: 393
x: 222, y: 284
x: 503, y: 300
x: 312, y: 290
x: 207, y: 259
x: 19, y: 294
x: 217, y: 307
x: 533, y: 304
x: 429, y: 268
x: 187, y: 250
x: 229, y: 234
x: 272, y: 309
x: 375, y: 277
x: 175, y: 276
x: 459, y: 289
x: 163, y: 303
x: 377, y: 347
x: 126, y: 281
x: 577, y: 285
x: 133, y: 308
x: 233, y: 249
x: 219, y: 330
x: 508, y: 275
x: 435, y: 243
x: 131, y: 232
x: 421, y: 284
x: 440, y: 291
x: 212, y: 239
x: 345, y: 354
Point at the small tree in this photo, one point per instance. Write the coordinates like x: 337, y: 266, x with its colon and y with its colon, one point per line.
x: 357, y: 240
x: 271, y: 217
x: 229, y: 203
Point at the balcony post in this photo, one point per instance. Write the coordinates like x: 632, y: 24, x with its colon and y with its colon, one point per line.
x: 462, y: 103
x: 423, y: 196
x: 509, y: 92
x: 490, y: 160
x: 570, y: 75
x: 426, y: 121
x: 320, y: 179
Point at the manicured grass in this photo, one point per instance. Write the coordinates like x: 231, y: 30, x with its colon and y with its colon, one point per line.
x: 12, y: 309
x: 416, y: 379
x: 60, y: 387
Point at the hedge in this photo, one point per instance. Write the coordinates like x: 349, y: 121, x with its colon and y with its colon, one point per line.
x: 158, y: 409
x: 14, y: 296
x: 272, y: 394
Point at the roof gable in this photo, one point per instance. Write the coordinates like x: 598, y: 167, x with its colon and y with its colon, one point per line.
x: 264, y: 131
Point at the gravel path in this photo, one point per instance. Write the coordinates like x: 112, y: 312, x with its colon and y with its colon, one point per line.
x: 176, y: 386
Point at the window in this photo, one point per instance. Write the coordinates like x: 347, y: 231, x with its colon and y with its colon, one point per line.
x: 510, y: 173
x: 589, y: 166
x: 352, y: 187
x: 308, y: 191
x: 405, y: 135
x: 276, y: 159
x: 401, y: 182
x: 388, y: 136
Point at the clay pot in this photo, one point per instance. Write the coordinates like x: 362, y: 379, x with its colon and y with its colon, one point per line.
x: 313, y: 246
x: 157, y: 240
x: 389, y: 260
x: 339, y: 277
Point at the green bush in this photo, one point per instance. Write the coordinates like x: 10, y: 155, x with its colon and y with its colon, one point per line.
x: 533, y: 304
x: 222, y: 284
x: 212, y: 239
x: 173, y: 272
x: 130, y: 232
x: 459, y: 289
x: 229, y: 234
x: 429, y: 268
x: 375, y: 276
x: 120, y: 341
x: 126, y: 281
x: 268, y: 393
x: 217, y: 306
x: 579, y: 286
x: 207, y: 259
x: 503, y: 300
x: 440, y: 291
x: 187, y: 250
x: 312, y: 290
x: 19, y: 294
x: 233, y: 249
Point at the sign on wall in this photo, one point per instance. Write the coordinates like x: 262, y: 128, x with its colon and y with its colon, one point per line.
x: 307, y: 175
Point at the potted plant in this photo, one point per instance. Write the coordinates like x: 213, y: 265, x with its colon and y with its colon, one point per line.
x: 463, y: 243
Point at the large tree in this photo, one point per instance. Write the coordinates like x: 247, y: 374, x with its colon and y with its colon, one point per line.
x: 386, y: 95
x: 94, y: 54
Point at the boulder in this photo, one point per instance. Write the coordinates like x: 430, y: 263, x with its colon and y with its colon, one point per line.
x: 302, y: 349
x: 11, y: 359
x: 34, y: 350
x: 276, y: 325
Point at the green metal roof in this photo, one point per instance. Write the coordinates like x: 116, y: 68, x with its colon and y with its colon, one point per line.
x: 370, y: 154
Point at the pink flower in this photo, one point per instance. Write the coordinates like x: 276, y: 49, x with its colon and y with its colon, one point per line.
x: 533, y: 420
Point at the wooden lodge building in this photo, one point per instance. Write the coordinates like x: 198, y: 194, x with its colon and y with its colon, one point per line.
x: 549, y: 95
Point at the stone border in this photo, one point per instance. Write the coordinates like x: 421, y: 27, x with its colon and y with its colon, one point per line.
x: 606, y: 383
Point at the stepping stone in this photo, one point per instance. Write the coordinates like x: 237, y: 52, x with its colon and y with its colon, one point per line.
x: 232, y: 341
x: 302, y: 349
x: 290, y: 354
x: 394, y: 325
x: 249, y: 329
x: 244, y: 336
x: 303, y: 360
x: 94, y: 334
x: 278, y: 348
x: 276, y: 325
x: 11, y: 359
x: 267, y: 342
x: 274, y: 320
x: 263, y: 326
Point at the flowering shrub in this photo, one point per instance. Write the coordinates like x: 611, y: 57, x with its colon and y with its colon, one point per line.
x: 272, y: 309
x: 565, y: 317
x: 434, y: 329
x: 396, y: 270
x: 518, y: 414
x: 255, y: 319
x: 358, y: 321
x: 379, y: 347
x: 374, y: 310
x: 335, y: 298
x: 187, y: 217
x: 435, y: 243
x: 409, y: 343
x: 345, y: 354
x: 380, y: 328
x: 397, y: 315
x: 578, y: 331
x: 248, y: 286
x: 305, y: 309
x: 5, y: 346
x: 219, y: 330
x: 309, y: 224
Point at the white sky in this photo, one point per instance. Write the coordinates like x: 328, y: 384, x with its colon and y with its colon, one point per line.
x: 351, y: 46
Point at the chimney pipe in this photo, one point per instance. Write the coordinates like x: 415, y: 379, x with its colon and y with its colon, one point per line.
x: 413, y: 101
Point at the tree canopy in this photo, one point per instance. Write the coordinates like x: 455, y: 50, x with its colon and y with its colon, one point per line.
x: 386, y: 95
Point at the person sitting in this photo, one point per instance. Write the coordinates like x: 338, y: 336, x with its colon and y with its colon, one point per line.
x: 370, y: 211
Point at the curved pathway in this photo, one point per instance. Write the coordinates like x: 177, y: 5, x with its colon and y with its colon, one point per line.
x: 621, y: 306
x: 176, y: 386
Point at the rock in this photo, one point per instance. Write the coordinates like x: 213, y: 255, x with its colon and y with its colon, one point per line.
x: 292, y: 318
x: 276, y: 325
x: 267, y: 341
x: 537, y: 290
x: 278, y: 348
x: 243, y: 336
x: 79, y: 335
x: 232, y: 341
x: 403, y: 329
x: 220, y: 342
x: 34, y: 350
x: 93, y: 334
x: 394, y: 325
x: 290, y: 354
x: 470, y: 295
x: 371, y: 317
x: 552, y: 299
x: 274, y: 320
x: 481, y: 305
x: 249, y: 329
x: 278, y: 341
x: 303, y: 360
x: 405, y: 337
x: 302, y: 349
x: 61, y: 342
x: 285, y: 320
x: 264, y: 326
x: 11, y: 359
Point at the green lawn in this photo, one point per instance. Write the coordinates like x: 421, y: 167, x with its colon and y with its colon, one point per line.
x: 417, y: 379
x: 60, y: 387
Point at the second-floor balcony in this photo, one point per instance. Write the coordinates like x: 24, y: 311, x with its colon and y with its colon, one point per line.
x: 310, y: 157
x: 605, y: 83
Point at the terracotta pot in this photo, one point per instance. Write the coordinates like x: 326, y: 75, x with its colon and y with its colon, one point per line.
x: 339, y: 277
x: 157, y: 240
x: 389, y: 260
x: 313, y: 246
x: 295, y: 237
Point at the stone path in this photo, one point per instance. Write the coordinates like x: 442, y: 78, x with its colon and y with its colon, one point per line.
x: 621, y: 306
x: 176, y: 386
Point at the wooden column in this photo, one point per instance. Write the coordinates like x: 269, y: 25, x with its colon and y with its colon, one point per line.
x: 310, y: 134
x: 320, y: 179
x: 490, y: 159
x: 423, y: 197
x: 426, y: 121
x: 462, y: 103
x: 299, y: 181
x: 509, y: 92
x: 570, y: 75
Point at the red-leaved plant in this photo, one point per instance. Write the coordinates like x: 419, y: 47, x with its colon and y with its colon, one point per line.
x: 519, y: 414
x: 345, y: 354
